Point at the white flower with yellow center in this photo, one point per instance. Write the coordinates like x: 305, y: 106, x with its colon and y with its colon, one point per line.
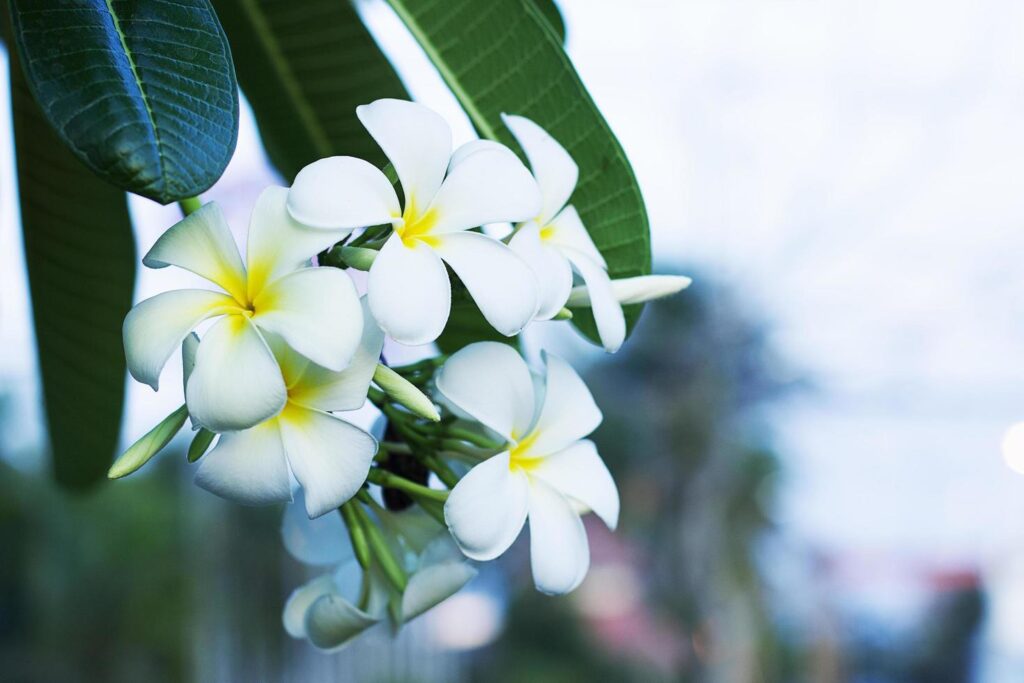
x: 446, y: 195
x: 326, y: 455
x: 549, y: 473
x: 236, y: 382
x: 554, y: 241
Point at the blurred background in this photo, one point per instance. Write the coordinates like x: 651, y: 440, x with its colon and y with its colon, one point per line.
x: 814, y: 443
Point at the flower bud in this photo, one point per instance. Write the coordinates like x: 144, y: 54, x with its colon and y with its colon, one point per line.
x: 405, y: 393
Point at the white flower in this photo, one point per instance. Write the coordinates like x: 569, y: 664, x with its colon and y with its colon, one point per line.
x: 325, y: 610
x: 548, y: 474
x: 554, y: 242
x: 445, y: 195
x: 635, y: 290
x: 236, y: 382
x: 328, y: 456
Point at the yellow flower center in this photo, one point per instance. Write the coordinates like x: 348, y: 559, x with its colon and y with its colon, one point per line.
x: 520, y: 456
x: 417, y: 227
x: 547, y: 232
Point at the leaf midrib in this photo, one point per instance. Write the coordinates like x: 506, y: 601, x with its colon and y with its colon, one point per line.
x: 305, y: 110
x: 138, y: 84
x: 468, y: 103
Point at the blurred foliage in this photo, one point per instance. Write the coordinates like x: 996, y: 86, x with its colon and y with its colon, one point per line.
x: 91, y: 588
x: 133, y: 584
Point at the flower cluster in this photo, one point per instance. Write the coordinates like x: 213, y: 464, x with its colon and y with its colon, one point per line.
x: 288, y: 347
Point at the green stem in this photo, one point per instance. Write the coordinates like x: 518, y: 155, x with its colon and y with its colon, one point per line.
x: 474, y: 438
x: 393, y: 481
x: 381, y: 552
x: 419, y: 366
x: 364, y: 591
x: 395, y: 447
x: 360, y: 546
x: 190, y: 205
x: 461, y: 448
x: 443, y: 472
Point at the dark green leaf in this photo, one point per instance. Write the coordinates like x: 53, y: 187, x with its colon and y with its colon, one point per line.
x: 81, y: 267
x: 142, y: 91
x: 304, y: 66
x: 553, y: 16
x: 511, y: 61
x: 466, y: 325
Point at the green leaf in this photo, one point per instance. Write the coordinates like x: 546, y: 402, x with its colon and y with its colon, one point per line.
x: 154, y: 441
x: 466, y: 325
x: 304, y: 66
x: 81, y: 258
x: 511, y: 61
x: 553, y: 16
x: 142, y: 91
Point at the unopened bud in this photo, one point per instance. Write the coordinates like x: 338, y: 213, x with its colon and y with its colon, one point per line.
x: 405, y: 393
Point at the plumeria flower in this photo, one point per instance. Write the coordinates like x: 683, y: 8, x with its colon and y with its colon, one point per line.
x: 554, y: 241
x: 326, y: 609
x: 326, y: 455
x: 446, y: 195
x: 634, y: 290
x: 548, y: 474
x: 236, y: 382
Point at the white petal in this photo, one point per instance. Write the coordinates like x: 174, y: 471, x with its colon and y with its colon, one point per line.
x: 441, y: 548
x: 416, y: 140
x: 433, y: 585
x: 329, y: 457
x: 611, y: 323
x: 554, y: 169
x: 202, y: 243
x: 566, y: 231
x: 559, y: 553
x: 465, y: 150
x: 299, y: 602
x: 342, y: 193
x: 156, y: 327
x: 248, y: 467
x: 324, y: 389
x: 500, y: 282
x: 316, y: 311
x: 491, y: 185
x: 320, y: 541
x: 333, y: 621
x: 486, y: 509
x: 416, y: 530
x: 490, y: 382
x: 554, y: 274
x: 236, y: 382
x: 635, y: 290
x: 278, y: 244
x: 579, y: 472
x: 569, y: 412
x: 409, y: 292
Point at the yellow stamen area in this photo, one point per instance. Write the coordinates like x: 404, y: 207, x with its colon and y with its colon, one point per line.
x: 520, y: 456
x: 547, y: 232
x: 416, y: 227
x: 295, y: 414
